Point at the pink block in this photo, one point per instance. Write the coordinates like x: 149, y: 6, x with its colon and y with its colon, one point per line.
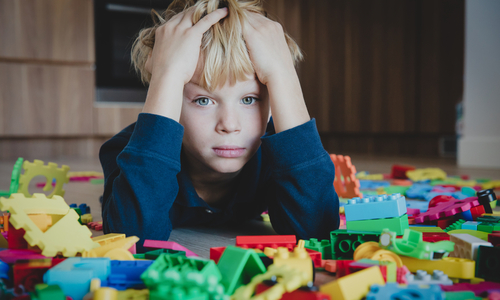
x: 11, y: 256
x: 153, y: 244
x: 412, y: 211
x: 478, y: 288
x: 446, y: 209
x: 132, y: 249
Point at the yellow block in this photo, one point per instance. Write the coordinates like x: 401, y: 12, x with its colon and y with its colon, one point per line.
x: 453, y: 267
x: 43, y: 221
x: 353, y: 286
x: 103, y: 251
x: 298, y: 259
x: 108, y: 238
x: 424, y: 174
x: 131, y: 294
x: 86, y: 218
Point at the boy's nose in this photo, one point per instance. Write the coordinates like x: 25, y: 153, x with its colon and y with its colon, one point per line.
x: 228, y: 122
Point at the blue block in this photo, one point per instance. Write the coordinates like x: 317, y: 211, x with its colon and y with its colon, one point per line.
x: 372, y: 185
x: 418, y: 190
x: 413, y: 291
x: 467, y: 215
x: 75, y: 273
x: 126, y: 274
x: 84, y: 208
x: 4, y: 270
x: 470, y: 225
x: 375, y: 207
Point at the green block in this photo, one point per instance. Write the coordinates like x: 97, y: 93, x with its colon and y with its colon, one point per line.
x: 465, y: 295
x: 47, y: 292
x: 154, y: 254
x: 398, y: 224
x: 426, y: 228
x: 394, y: 189
x: 324, y: 247
x: 454, y: 226
x: 344, y: 242
x: 488, y: 219
x: 488, y: 227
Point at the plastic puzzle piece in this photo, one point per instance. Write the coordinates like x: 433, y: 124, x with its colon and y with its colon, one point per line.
x: 488, y: 263
x: 50, y: 171
x: 426, y: 174
x: 29, y: 273
x: 378, y: 207
x: 14, y: 180
x: 399, y: 171
x: 466, y: 245
x: 418, y: 191
x: 349, y: 187
x: 422, y: 277
x: 477, y: 288
x: 345, y: 242
x: 397, y: 224
x: 262, y: 241
x: 117, y: 249
x: 412, y: 245
x: 409, y: 292
x: 237, y: 266
x: 66, y: 235
x: 447, y: 209
x: 451, y: 266
x: 353, y: 286
x: 154, y: 244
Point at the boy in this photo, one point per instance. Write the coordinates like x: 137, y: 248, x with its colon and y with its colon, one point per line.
x: 200, y: 152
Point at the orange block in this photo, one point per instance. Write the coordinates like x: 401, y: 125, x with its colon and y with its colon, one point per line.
x: 349, y: 187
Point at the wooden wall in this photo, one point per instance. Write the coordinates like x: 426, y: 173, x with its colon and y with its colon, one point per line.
x: 379, y: 76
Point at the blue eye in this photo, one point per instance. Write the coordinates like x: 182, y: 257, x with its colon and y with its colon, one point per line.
x: 202, y: 101
x: 248, y: 100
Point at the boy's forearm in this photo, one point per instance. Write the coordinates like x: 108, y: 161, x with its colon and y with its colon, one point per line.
x: 164, y: 97
x: 288, y: 107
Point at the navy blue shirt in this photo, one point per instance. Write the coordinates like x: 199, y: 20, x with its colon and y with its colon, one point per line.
x: 148, y: 191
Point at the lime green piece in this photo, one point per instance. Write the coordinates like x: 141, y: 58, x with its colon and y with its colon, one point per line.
x: 14, y: 180
x: 479, y: 234
x: 456, y: 225
x: 426, y: 228
x: 47, y: 292
x: 66, y: 235
x: 140, y: 256
x: 97, y: 181
x: 238, y: 266
x: 493, y: 204
x: 394, y: 189
x: 397, y: 224
x: 154, y: 254
x: 50, y: 171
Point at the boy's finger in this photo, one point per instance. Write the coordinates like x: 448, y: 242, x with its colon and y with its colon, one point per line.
x: 207, y: 21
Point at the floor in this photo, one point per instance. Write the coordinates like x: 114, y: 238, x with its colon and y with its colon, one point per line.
x: 200, y: 240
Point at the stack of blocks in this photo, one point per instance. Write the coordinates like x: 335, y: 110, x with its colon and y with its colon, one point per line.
x: 376, y: 213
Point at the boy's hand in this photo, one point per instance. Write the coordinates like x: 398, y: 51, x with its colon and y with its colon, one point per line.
x: 267, y: 46
x: 177, y: 45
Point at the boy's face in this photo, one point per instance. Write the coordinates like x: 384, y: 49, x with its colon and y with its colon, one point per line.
x: 222, y: 129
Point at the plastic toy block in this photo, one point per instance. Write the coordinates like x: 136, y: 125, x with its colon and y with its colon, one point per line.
x: 349, y: 187
x: 29, y: 273
x: 131, y: 294
x: 342, y: 267
x: 330, y: 265
x: 345, y: 242
x: 451, y: 266
x: 461, y: 296
x: 372, y: 185
x: 153, y: 244
x: 156, y: 253
x: 47, y: 292
x: 456, y: 225
x: 353, y: 286
x: 432, y: 237
x: 291, y: 280
x: 108, y: 238
x: 11, y: 256
x: 303, y: 293
x: 466, y: 245
x: 443, y: 223
x: 422, y: 277
x: 394, y: 189
x: 418, y: 191
x: 379, y: 207
x: 426, y: 174
x: 447, y: 209
x: 216, y: 253
x: 371, y: 250
x: 4, y: 222
x: 397, y: 224
x: 399, y: 171
x: 315, y: 257
x: 127, y: 274
x: 299, y: 259
x: 470, y: 192
x: 86, y: 218
x: 488, y: 263
x: 262, y: 241
x: 365, y: 176
x: 43, y: 221
x: 387, y: 268
x: 115, y: 250
x: 471, y: 225
x: 494, y: 238
x: 401, y: 275
x: 488, y: 227
x: 15, y: 238
x: 485, y: 197
x: 74, y: 275
x: 66, y: 235
x: 324, y: 247
x: 412, y: 211
x: 237, y: 266
x: 479, y: 234
x: 95, y: 225
x: 478, y: 288
x: 412, y: 245
x: 488, y: 219
x: 50, y: 171
x: 409, y: 292
x: 427, y: 228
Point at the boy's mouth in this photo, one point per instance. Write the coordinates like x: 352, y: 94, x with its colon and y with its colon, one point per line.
x: 229, y: 151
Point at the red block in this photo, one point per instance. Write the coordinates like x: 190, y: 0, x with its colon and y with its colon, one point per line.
x: 262, y: 241
x: 343, y: 267
x: 30, y: 273
x: 399, y: 171
x: 433, y: 237
x: 330, y: 265
x: 316, y: 257
x: 300, y: 294
x: 15, y: 238
x: 494, y: 238
x: 216, y: 253
x: 477, y: 211
x: 443, y: 223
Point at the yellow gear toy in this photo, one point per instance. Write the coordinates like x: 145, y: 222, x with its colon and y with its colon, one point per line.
x: 50, y: 171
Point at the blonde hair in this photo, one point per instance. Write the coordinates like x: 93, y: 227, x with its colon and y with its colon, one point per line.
x: 223, y: 48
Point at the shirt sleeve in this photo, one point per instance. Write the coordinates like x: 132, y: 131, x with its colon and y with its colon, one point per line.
x: 302, y: 200
x: 141, y: 178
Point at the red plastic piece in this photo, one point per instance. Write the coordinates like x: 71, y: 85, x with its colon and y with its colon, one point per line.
x: 477, y: 288
x: 330, y: 265
x: 477, y: 211
x: 433, y: 237
x: 342, y: 267
x: 216, y: 253
x: 439, y: 199
x: 15, y: 238
x: 494, y: 295
x: 95, y: 225
x: 464, y: 177
x: 412, y: 211
x: 11, y: 256
x: 295, y: 295
x: 399, y: 171
x: 262, y: 241
x: 443, y: 223
x: 447, y: 209
x: 494, y: 239
x: 29, y: 273
x: 316, y: 257
x: 401, y: 275
x: 153, y: 244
